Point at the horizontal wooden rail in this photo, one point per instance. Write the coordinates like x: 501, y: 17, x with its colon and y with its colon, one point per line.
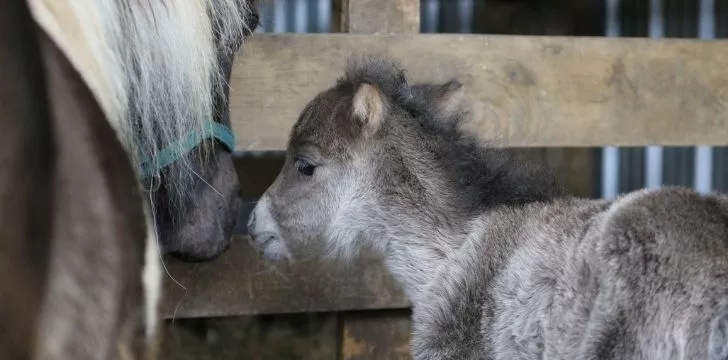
x: 242, y: 283
x: 527, y: 90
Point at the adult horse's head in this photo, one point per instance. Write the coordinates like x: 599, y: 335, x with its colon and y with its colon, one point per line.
x: 160, y: 70
x: 193, y: 189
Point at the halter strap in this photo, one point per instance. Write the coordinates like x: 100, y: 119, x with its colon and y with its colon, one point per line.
x: 176, y: 150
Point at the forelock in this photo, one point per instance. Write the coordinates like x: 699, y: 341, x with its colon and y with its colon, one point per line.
x: 324, y: 123
x: 384, y: 74
x: 327, y: 122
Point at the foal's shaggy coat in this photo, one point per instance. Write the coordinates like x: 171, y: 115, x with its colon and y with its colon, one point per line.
x: 499, y: 263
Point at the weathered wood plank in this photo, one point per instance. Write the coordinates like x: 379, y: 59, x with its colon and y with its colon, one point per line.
x: 579, y: 165
x: 241, y: 283
x: 375, y: 335
x: 310, y: 336
x: 527, y: 91
x: 381, y: 16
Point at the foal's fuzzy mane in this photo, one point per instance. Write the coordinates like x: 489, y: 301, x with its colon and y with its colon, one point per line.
x: 380, y: 72
x: 483, y: 176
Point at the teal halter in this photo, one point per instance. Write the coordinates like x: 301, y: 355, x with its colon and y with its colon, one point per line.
x: 176, y: 150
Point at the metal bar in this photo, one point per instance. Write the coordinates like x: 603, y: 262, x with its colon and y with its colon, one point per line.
x: 430, y: 10
x: 654, y: 153
x: 448, y: 17
x: 324, y: 16
x: 300, y: 15
x: 465, y: 16
x: 610, y: 154
x: 703, y: 171
x: 279, y: 16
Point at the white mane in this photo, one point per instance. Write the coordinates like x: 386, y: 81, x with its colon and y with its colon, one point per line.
x: 153, y: 67
x: 151, y: 64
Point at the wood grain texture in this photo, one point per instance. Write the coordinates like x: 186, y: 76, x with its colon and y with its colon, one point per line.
x: 270, y: 337
x: 527, y: 91
x: 381, y: 16
x: 375, y: 335
x: 240, y: 282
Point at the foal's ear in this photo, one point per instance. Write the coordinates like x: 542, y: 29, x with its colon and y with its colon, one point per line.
x: 451, y: 98
x: 368, y: 108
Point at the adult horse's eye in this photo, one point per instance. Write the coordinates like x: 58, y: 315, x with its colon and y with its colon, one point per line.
x: 304, y: 166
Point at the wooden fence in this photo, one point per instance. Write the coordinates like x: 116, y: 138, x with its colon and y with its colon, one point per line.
x: 529, y: 91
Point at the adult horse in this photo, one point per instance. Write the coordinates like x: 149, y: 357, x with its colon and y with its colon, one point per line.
x: 97, y: 96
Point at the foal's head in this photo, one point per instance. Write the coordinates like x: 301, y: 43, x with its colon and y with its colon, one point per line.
x: 374, y: 160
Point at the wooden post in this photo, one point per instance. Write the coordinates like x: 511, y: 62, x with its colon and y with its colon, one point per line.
x: 368, y: 336
x: 380, y: 16
x: 376, y: 335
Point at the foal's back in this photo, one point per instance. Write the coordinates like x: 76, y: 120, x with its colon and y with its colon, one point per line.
x: 643, y: 277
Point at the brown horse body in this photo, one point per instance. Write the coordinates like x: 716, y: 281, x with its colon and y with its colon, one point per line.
x: 25, y: 156
x: 79, y: 257
x: 72, y: 221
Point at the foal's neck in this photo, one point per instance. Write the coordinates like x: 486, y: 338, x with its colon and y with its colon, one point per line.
x: 430, y: 223
x: 413, y: 262
x: 417, y: 240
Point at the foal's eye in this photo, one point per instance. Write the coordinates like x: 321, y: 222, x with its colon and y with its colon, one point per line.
x: 304, y: 166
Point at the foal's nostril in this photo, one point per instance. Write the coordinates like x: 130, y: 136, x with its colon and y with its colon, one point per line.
x: 266, y: 240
